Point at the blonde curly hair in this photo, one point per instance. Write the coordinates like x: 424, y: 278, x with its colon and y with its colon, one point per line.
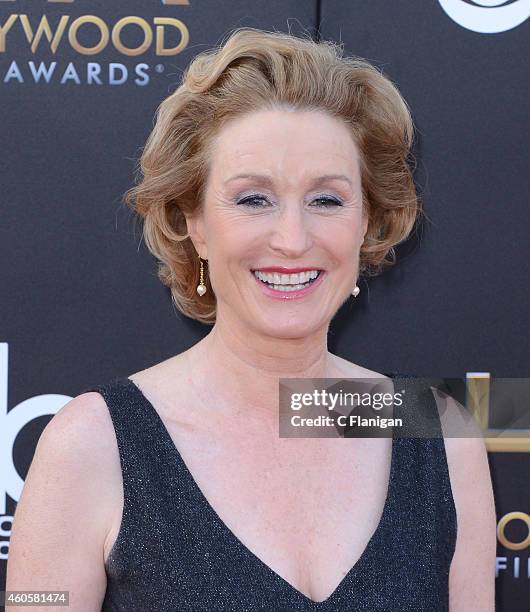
x: 256, y: 69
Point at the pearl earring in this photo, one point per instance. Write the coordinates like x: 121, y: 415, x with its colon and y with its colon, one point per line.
x: 356, y: 291
x: 201, y: 287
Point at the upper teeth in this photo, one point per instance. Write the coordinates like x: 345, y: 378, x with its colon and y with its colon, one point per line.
x: 286, y: 279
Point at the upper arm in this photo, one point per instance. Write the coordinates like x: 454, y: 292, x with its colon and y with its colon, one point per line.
x: 472, y: 572
x: 62, y: 517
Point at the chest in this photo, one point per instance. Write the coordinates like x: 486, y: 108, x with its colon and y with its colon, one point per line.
x: 245, y: 520
x: 306, y: 508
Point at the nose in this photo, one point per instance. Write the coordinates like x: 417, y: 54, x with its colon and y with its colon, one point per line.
x: 290, y: 235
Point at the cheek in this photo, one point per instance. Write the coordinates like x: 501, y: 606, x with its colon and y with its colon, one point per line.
x: 343, y: 243
x: 240, y: 237
x: 234, y: 250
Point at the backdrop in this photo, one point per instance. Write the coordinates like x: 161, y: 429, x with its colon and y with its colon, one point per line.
x: 80, y: 300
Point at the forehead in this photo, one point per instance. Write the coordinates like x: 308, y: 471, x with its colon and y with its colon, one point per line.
x: 292, y: 142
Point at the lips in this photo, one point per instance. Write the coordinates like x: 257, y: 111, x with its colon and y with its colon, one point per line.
x: 280, y: 294
x: 282, y: 270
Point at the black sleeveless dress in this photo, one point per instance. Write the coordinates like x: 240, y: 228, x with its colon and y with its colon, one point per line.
x: 174, y: 553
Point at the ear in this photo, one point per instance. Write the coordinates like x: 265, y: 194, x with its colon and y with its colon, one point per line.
x: 195, y: 225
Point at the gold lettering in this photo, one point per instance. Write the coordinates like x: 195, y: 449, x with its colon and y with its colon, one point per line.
x: 148, y: 35
x: 502, y: 526
x: 184, y: 35
x: 99, y: 23
x: 44, y: 26
x: 55, y: 37
x: 4, y: 30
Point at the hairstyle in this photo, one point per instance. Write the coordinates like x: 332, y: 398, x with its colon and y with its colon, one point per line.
x: 257, y: 70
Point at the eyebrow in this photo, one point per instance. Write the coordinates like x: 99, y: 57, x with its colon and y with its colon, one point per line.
x: 266, y: 180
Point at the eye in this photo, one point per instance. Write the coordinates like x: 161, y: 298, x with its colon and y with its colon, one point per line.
x: 253, y: 201
x: 328, y: 202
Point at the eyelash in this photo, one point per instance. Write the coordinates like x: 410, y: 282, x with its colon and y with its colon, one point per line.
x: 245, y: 201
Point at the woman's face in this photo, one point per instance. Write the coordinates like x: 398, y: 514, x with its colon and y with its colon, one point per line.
x: 284, y: 190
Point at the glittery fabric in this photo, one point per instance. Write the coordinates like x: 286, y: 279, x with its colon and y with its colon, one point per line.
x: 173, y: 552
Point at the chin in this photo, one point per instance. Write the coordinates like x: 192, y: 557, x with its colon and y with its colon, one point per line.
x: 286, y: 328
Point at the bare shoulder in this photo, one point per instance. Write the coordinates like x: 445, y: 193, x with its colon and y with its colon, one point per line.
x: 86, y: 413
x: 81, y: 438
x: 75, y: 462
x: 472, y: 581
x: 82, y: 431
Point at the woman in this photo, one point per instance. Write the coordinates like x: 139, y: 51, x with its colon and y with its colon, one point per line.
x: 276, y: 174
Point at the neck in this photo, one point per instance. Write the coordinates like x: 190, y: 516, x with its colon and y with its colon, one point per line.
x: 238, y: 369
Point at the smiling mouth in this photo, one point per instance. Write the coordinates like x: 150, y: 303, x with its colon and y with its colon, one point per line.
x: 287, y: 282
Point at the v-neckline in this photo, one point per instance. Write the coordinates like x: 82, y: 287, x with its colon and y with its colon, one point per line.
x: 354, y: 570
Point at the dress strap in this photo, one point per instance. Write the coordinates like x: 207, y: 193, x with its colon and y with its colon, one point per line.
x: 420, y: 413
x: 144, y: 448
x: 422, y: 470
